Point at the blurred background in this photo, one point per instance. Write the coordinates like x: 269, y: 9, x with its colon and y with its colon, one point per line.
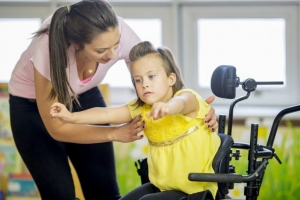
x: 261, y: 38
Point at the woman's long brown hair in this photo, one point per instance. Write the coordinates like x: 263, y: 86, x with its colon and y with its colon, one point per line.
x: 78, y: 23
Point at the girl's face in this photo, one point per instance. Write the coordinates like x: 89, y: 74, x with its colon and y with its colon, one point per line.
x: 151, y: 81
x: 102, y: 48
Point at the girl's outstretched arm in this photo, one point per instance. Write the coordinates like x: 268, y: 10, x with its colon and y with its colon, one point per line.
x: 186, y: 103
x: 113, y: 115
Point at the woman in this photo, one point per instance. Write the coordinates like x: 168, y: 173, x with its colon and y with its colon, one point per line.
x: 66, y: 60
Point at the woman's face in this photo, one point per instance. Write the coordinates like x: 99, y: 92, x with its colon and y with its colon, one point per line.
x: 102, y: 48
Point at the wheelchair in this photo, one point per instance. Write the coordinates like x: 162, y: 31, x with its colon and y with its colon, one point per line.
x: 224, y: 82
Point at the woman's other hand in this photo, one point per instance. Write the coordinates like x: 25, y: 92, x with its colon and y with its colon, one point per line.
x: 130, y: 131
x: 211, y: 118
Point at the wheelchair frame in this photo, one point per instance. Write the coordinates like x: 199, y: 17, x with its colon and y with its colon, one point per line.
x: 256, y: 167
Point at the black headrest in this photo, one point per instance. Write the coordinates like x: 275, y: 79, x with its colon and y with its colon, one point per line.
x: 223, y: 82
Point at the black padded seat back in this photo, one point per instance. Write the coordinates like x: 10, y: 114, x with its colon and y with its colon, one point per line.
x: 221, y: 162
x: 224, y: 149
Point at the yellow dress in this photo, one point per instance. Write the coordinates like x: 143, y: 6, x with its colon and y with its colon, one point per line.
x: 179, y: 145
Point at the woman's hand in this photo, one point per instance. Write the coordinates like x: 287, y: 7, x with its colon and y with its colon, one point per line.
x: 130, y: 131
x: 211, y: 118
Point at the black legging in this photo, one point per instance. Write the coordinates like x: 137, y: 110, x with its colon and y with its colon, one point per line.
x: 47, y: 159
x: 148, y: 191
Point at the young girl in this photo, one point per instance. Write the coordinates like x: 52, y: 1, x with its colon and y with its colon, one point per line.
x: 179, y: 140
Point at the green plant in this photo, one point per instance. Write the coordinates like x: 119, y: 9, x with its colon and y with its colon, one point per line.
x: 280, y: 180
x: 127, y: 175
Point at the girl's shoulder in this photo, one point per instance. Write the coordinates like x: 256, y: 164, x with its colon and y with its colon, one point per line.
x: 198, y: 96
x: 204, y: 107
x: 134, y: 109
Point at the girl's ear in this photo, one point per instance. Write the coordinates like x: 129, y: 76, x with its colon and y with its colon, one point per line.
x: 172, y: 79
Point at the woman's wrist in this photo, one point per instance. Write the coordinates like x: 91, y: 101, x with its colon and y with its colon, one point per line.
x: 112, y: 133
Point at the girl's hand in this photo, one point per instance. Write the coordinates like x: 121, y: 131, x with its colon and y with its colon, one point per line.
x: 159, y: 110
x: 60, y: 111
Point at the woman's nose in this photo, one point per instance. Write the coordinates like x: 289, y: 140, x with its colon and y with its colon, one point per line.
x: 112, y: 54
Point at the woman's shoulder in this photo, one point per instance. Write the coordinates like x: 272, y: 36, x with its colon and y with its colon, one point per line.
x: 44, y: 38
x: 127, y: 33
x: 128, y: 39
x: 47, y: 21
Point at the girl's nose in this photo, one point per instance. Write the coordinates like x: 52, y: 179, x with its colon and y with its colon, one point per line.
x: 145, y: 84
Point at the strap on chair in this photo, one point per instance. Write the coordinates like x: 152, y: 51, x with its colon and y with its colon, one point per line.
x: 142, y: 169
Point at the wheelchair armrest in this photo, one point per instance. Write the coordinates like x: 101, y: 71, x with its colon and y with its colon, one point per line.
x: 228, y: 178
x: 210, y: 177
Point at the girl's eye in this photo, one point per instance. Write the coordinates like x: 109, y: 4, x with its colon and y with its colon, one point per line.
x: 137, y: 80
x: 151, y: 76
x: 100, y: 52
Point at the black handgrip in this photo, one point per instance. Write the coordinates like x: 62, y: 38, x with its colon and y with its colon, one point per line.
x: 220, y: 178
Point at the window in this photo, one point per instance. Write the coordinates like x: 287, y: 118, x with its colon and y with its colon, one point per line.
x: 258, y: 39
x: 14, y: 41
x: 255, y: 47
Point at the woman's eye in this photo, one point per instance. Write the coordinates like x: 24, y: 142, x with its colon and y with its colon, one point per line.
x: 151, y: 76
x: 100, y: 52
x: 117, y: 46
x: 137, y: 80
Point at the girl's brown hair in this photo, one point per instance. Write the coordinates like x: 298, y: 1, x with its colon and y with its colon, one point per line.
x: 169, y: 63
x: 78, y: 23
